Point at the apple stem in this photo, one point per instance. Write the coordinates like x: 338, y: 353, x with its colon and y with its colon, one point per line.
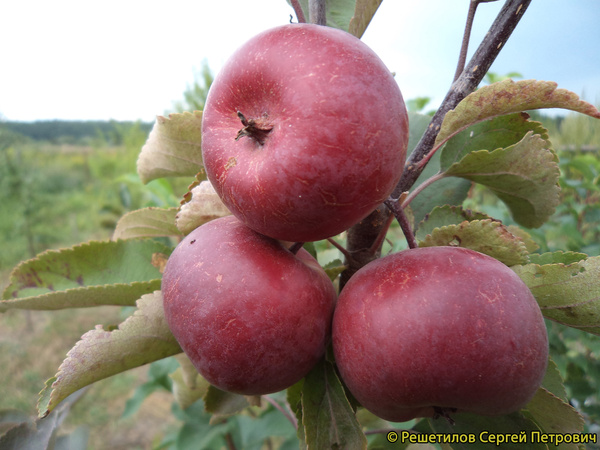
x: 341, y: 248
x: 398, y: 212
x: 256, y: 129
x: 295, y: 247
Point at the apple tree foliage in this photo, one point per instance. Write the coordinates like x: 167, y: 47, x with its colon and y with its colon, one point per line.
x: 478, y: 136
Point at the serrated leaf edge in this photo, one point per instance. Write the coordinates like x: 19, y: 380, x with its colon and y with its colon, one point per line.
x: 49, y: 392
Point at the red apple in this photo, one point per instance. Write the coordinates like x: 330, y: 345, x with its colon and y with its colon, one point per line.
x: 252, y: 317
x: 433, y: 330
x: 304, y: 132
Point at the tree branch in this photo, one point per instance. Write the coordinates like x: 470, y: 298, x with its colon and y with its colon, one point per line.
x: 362, y: 235
x: 398, y: 212
x: 469, y: 79
x: 317, y: 12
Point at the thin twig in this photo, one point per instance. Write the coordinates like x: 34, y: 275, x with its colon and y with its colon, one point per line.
x: 466, y: 37
x: 409, y: 198
x: 340, y: 247
x: 287, y: 414
x: 378, y: 243
x: 398, y: 212
x: 298, y: 11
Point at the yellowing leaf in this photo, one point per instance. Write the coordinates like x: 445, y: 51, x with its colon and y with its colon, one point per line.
x: 188, y: 384
x: 524, y: 176
x: 485, y: 236
x: 506, y: 97
x: 446, y: 215
x: 567, y: 293
x: 223, y: 404
x: 203, y: 206
x: 147, y: 222
x: 173, y: 147
x: 143, y: 337
x: 363, y: 13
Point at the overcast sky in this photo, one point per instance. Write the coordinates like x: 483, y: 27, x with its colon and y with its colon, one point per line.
x: 131, y: 59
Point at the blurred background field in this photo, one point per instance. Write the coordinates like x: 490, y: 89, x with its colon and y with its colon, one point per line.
x: 62, y: 183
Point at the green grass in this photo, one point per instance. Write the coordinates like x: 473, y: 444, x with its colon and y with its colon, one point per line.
x: 54, y: 196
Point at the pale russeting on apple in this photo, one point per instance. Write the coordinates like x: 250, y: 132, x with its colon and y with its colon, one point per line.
x: 304, y: 132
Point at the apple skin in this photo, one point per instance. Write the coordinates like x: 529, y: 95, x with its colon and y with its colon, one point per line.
x: 252, y: 317
x: 338, y: 131
x: 438, y: 329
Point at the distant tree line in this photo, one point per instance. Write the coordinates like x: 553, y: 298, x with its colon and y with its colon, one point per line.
x: 75, y: 131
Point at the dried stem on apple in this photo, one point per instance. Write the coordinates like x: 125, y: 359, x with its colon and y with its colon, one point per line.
x: 256, y: 129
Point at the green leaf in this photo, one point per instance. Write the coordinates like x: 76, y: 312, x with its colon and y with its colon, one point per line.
x: 446, y: 215
x: 567, y: 293
x: 294, y: 399
x: 223, y: 404
x: 485, y: 236
x: 186, y: 393
x: 530, y: 244
x: 557, y: 258
x: 147, y: 222
x: 158, y: 379
x: 173, y: 148
x: 554, y: 415
x: 141, y: 393
x: 42, y: 433
x: 363, y: 13
x: 202, y: 204
x: 506, y: 97
x: 498, y: 132
x: 553, y: 381
x: 486, y: 429
x: 446, y: 191
x: 89, y: 274
x: 334, y: 268
x: 524, y: 176
x: 329, y: 420
x: 254, y: 431
x: 143, y: 337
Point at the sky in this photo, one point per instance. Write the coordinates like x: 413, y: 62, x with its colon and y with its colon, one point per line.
x: 131, y: 59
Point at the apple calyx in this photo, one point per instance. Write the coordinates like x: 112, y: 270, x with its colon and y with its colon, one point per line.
x: 256, y: 129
